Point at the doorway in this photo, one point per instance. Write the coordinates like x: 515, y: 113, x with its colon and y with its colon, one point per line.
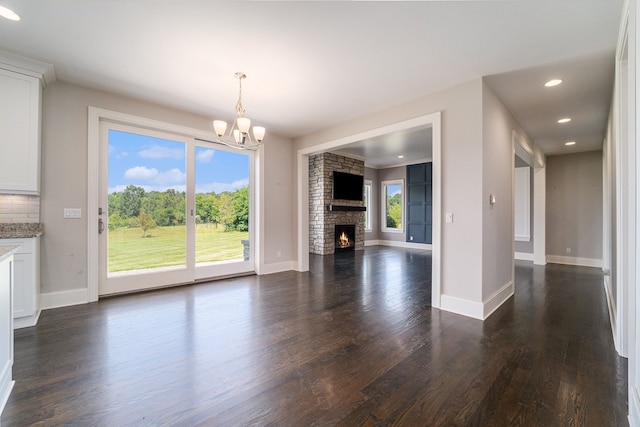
x: 171, y: 209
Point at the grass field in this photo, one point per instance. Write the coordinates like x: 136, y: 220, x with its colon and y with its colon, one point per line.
x: 165, y: 246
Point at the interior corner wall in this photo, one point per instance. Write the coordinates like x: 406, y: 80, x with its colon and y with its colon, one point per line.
x: 65, y: 176
x: 574, y: 207
x: 461, y: 123
x: 497, y: 179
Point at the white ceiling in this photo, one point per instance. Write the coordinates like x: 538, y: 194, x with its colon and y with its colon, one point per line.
x: 313, y: 65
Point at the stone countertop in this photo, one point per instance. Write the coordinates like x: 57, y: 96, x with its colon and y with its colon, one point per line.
x: 6, y: 251
x: 21, y: 230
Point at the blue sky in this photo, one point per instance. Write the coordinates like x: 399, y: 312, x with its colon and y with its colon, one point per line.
x: 158, y: 164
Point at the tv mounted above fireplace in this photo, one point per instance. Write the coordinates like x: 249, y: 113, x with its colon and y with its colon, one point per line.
x: 347, y: 186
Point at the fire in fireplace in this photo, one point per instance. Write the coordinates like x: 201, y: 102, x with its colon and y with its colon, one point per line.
x: 345, y: 237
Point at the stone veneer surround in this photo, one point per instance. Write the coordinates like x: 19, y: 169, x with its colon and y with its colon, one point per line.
x: 321, y: 221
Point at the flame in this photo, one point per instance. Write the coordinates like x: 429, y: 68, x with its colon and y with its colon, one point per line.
x: 343, y: 241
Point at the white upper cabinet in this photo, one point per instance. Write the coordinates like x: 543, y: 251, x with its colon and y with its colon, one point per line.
x: 19, y: 133
x: 21, y: 83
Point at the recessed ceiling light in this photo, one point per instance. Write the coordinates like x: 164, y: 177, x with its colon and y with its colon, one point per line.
x: 570, y: 143
x: 552, y: 83
x: 9, y: 14
x: 565, y: 120
x: 401, y: 157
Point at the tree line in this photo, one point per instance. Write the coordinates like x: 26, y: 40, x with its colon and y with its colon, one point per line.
x: 135, y: 207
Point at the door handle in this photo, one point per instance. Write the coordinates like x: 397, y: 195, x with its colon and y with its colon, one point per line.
x: 100, y: 225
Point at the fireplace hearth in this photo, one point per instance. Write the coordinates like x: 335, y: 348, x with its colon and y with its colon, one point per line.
x: 345, y: 237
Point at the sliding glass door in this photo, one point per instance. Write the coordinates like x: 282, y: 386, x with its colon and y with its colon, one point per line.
x: 172, y: 210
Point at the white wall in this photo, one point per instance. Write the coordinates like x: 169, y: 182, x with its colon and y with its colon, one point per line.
x: 574, y: 208
x: 64, y: 180
x: 497, y: 178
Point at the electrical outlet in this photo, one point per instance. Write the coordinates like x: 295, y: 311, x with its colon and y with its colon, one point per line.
x: 278, y: 254
x: 568, y: 250
x: 411, y: 238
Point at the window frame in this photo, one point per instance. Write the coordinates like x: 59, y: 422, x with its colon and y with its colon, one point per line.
x: 368, y: 186
x: 383, y: 205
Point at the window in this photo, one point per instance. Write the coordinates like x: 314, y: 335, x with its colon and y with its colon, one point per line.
x: 367, y: 204
x: 522, y: 202
x: 392, y: 205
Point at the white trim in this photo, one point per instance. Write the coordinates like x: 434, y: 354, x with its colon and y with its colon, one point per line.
x: 26, y: 321
x: 399, y: 244
x: 433, y: 120
x: 522, y: 203
x: 27, y: 66
x: 64, y: 298
x: 383, y: 205
x: 634, y: 407
x: 277, y: 267
x: 568, y: 260
x: 611, y: 306
x: 6, y: 384
x: 461, y: 306
x: 478, y: 310
x: 523, y: 256
x: 368, y: 195
x: 496, y: 300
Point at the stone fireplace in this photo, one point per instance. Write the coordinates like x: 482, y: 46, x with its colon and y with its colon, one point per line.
x: 325, y: 213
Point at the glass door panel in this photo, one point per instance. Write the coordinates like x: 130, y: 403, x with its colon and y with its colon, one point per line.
x: 221, y: 206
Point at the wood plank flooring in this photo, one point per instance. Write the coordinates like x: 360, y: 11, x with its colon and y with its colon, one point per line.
x: 353, y: 342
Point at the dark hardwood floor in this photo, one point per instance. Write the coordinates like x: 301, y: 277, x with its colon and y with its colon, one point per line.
x: 353, y: 342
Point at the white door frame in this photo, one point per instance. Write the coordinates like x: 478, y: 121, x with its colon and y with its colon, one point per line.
x: 434, y: 121
x: 95, y: 115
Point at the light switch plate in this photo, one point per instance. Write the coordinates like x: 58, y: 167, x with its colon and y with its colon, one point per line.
x: 448, y: 217
x: 72, y: 213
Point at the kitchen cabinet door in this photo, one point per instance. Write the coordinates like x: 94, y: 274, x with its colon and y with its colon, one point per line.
x: 20, y: 111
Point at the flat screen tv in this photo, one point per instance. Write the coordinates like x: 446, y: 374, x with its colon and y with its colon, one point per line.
x: 347, y: 186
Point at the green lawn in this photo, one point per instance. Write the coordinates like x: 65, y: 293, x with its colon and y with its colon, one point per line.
x: 165, y: 246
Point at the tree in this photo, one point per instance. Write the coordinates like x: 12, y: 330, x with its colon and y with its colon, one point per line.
x: 241, y: 209
x: 145, y: 222
x: 226, y: 214
x: 131, y: 201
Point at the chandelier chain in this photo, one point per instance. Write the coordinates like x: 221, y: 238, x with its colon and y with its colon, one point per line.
x: 239, y: 106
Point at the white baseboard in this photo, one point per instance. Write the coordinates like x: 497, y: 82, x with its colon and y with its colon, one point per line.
x: 27, y: 321
x: 6, y: 383
x: 398, y: 244
x: 634, y: 407
x: 612, y: 309
x: 568, y: 260
x: 474, y: 309
x: 494, y: 302
x: 461, y: 306
x: 523, y: 256
x: 63, y: 298
x: 277, y: 267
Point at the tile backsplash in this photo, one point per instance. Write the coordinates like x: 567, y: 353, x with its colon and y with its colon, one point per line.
x: 19, y: 208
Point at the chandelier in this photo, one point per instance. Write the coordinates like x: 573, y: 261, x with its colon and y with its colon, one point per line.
x: 239, y: 136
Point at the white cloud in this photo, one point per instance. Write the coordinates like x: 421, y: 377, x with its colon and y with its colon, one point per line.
x: 219, y: 187
x: 205, y: 156
x: 159, y: 152
x: 141, y: 173
x: 173, y: 176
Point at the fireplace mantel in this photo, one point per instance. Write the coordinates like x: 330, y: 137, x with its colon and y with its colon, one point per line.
x: 342, y: 208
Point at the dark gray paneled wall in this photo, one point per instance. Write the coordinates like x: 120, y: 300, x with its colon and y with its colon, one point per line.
x: 574, y: 205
